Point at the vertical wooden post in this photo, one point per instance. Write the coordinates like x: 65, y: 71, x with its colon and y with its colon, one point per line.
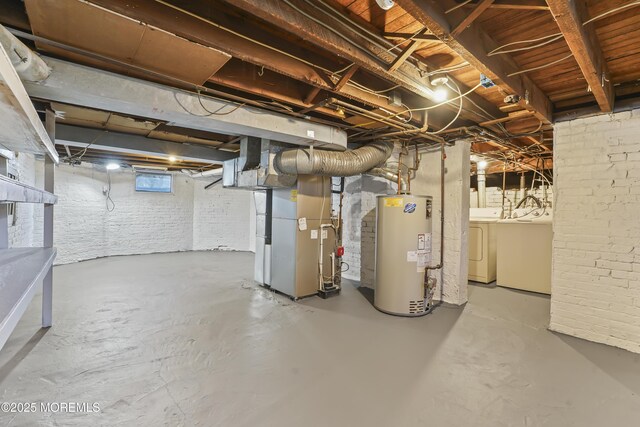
x: 47, y: 284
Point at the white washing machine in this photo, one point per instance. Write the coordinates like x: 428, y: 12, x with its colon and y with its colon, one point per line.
x: 524, y: 252
x: 483, y: 243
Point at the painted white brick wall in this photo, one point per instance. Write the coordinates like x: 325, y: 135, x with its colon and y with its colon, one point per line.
x: 359, y: 219
x: 453, y: 277
x: 222, y: 218
x: 189, y: 218
x: 494, y: 197
x: 596, y: 244
x: 24, y: 232
x: 140, y: 223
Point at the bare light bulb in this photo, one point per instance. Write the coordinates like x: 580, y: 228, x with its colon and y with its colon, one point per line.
x: 112, y: 166
x: 482, y: 164
x: 440, y: 94
x: 172, y: 159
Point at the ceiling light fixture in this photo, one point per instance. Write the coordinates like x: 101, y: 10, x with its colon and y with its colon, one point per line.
x: 112, y: 166
x: 482, y: 165
x: 440, y: 94
x: 172, y: 159
x: 385, y: 4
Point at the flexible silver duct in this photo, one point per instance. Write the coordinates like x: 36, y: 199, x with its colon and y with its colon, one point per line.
x: 28, y: 65
x: 304, y: 161
x: 390, y: 175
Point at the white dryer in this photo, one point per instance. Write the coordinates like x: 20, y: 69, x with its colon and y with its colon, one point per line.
x: 524, y: 251
x: 483, y: 243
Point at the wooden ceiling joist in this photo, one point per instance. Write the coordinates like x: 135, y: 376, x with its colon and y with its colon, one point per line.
x: 472, y: 16
x: 369, y: 56
x: 473, y: 46
x: 211, y: 34
x: 406, y: 53
x: 517, y: 4
x: 344, y: 79
x: 583, y: 42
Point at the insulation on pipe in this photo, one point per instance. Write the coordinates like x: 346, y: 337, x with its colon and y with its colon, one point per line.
x: 306, y: 161
x: 28, y: 65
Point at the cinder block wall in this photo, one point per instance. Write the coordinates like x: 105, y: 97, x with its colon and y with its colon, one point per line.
x: 189, y: 218
x: 596, y: 244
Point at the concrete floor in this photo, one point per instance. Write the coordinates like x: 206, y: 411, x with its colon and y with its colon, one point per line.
x: 188, y: 339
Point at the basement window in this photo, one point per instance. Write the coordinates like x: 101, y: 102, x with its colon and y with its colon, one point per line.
x: 154, y: 182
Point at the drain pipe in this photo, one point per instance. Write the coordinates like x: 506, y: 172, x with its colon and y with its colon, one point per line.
x: 28, y: 65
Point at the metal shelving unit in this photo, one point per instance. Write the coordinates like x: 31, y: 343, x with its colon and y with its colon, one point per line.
x: 23, y: 270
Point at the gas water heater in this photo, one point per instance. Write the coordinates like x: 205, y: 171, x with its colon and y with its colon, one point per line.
x: 403, y: 252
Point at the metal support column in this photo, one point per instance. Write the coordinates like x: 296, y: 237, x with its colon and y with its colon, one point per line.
x: 47, y: 284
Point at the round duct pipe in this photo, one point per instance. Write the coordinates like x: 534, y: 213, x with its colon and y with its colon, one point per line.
x: 307, y: 161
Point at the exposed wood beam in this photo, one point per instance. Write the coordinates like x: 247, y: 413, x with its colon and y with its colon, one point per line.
x: 406, y: 53
x: 512, y: 116
x: 517, y: 4
x: 583, y: 42
x: 472, y: 45
x: 308, y: 99
x: 345, y: 78
x: 291, y: 20
x: 368, y: 55
x: 535, y: 141
x: 209, y: 34
x: 472, y: 16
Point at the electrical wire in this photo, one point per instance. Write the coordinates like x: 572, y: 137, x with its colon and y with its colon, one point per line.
x: 413, y: 110
x: 549, y: 39
x: 460, y: 97
x: 557, y: 36
x: 458, y: 6
x: 614, y: 10
x: 217, y: 113
x: 109, y: 199
x: 235, y: 33
x: 557, y: 61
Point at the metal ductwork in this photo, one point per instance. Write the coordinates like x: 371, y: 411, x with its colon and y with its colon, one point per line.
x: 30, y: 67
x: 391, y: 176
x: 309, y: 161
